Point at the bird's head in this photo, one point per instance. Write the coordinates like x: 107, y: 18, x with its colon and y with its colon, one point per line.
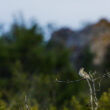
x: 81, y: 69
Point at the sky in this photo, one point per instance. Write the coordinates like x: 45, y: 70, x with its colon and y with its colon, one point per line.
x: 70, y: 13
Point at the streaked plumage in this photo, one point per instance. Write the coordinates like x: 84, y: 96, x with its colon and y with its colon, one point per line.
x: 84, y: 74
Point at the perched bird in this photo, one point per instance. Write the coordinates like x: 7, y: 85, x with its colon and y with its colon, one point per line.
x: 84, y: 74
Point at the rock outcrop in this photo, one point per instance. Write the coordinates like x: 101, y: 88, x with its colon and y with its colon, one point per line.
x: 97, y: 36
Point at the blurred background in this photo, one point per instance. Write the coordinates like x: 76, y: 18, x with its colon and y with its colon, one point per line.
x: 44, y: 40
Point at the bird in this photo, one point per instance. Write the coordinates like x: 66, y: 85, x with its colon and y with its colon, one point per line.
x: 84, y: 74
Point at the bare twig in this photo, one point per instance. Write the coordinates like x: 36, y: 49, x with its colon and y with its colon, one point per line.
x: 59, y: 81
x: 91, y: 94
x: 26, y: 103
x: 103, y: 76
x: 94, y: 92
x: 92, y: 86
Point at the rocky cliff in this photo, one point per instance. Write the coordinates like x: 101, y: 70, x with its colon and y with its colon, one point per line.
x: 97, y: 36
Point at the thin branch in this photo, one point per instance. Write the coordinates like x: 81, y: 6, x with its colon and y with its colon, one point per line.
x: 103, y: 76
x: 100, y: 84
x: 59, y: 81
x: 91, y: 94
x: 92, y: 87
x: 26, y: 104
x: 94, y: 93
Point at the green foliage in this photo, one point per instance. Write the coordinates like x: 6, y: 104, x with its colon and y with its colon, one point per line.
x: 76, y: 104
x: 104, y: 102
x: 86, y: 59
x: 106, y: 62
x: 29, y: 67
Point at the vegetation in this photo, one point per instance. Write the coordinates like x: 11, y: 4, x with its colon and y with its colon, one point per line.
x: 29, y: 67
